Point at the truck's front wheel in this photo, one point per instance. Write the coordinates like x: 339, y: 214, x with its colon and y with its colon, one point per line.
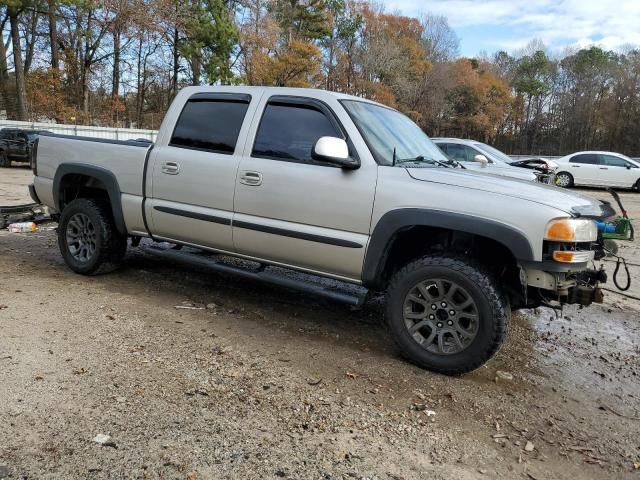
x: 446, y: 314
x: 88, y: 239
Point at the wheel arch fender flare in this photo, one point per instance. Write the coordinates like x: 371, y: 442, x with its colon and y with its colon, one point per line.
x: 104, y: 176
x: 397, y: 220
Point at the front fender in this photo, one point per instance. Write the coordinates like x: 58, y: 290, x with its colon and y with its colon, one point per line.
x: 397, y: 220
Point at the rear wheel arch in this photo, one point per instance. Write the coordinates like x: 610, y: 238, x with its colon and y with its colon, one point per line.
x: 433, y: 224
x: 88, y: 181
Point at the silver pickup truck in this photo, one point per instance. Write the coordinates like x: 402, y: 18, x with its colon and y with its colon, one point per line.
x: 335, y: 186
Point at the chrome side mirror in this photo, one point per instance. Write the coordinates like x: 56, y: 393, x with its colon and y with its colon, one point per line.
x: 482, y: 160
x: 334, y: 151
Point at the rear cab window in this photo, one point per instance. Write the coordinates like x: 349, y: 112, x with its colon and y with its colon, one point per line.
x: 210, y: 123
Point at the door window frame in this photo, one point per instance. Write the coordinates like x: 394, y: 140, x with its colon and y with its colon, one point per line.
x: 243, y: 98
x: 309, y: 103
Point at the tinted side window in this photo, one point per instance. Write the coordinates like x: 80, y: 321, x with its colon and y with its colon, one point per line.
x: 611, y: 161
x: 212, y: 125
x: 289, y: 132
x: 588, y: 158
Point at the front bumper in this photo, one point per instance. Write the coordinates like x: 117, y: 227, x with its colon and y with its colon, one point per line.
x: 548, y: 281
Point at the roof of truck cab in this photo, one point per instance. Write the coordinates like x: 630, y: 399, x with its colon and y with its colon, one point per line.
x: 279, y: 91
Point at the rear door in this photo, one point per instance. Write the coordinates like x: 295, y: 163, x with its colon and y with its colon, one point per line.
x: 294, y: 210
x: 585, y: 169
x: 193, y: 175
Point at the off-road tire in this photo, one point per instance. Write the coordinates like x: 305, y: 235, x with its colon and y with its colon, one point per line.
x: 636, y: 187
x: 110, y: 245
x: 568, y: 176
x: 493, y: 308
x: 5, y: 162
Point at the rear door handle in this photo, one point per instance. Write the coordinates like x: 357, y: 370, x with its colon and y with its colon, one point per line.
x: 251, y: 178
x: 171, y: 168
x: 604, y: 168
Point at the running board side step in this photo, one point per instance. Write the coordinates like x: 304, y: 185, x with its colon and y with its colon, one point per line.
x: 261, y: 275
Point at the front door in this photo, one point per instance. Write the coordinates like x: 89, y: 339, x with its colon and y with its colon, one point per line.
x: 293, y: 210
x: 193, y: 175
x: 614, y: 171
x: 585, y: 169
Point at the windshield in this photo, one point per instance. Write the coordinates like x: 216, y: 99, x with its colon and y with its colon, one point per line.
x: 494, y: 153
x: 385, y: 129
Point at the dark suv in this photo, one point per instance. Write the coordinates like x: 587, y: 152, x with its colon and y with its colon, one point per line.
x: 16, y: 144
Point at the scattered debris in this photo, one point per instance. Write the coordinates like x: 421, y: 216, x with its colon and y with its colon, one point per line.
x: 188, y: 307
x: 104, y: 440
x: 23, y: 227
x: 615, y: 412
x: 502, y: 375
x: 529, y: 447
x: 314, y: 381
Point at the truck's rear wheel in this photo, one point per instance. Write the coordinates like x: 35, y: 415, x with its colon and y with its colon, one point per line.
x: 88, y: 239
x: 446, y: 314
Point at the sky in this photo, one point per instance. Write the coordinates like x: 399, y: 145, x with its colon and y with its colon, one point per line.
x: 493, y: 25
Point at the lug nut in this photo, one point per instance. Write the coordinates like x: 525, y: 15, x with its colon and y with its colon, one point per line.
x: 444, y: 304
x: 449, y: 323
x: 433, y: 306
x: 432, y: 317
x: 452, y: 312
x: 439, y: 325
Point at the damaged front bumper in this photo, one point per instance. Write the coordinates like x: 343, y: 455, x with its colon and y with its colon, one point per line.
x: 548, y: 282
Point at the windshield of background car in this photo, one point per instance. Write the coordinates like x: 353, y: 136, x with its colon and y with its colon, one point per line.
x: 495, y: 154
x: 385, y: 129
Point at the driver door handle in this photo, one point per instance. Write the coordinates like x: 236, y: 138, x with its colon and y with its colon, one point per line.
x: 604, y: 168
x: 251, y: 178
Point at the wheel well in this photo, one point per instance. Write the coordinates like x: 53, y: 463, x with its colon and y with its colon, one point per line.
x: 413, y: 242
x: 75, y: 185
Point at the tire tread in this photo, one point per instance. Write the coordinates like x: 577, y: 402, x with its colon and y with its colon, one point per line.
x: 477, y: 274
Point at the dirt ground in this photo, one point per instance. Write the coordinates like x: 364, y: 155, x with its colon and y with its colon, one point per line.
x: 254, y: 381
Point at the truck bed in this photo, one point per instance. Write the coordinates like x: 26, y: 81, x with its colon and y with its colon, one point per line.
x: 124, y: 158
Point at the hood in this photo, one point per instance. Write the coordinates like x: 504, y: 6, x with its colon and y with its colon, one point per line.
x: 555, y: 197
x: 502, y: 170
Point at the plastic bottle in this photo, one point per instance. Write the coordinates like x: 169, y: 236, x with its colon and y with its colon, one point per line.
x: 23, y: 227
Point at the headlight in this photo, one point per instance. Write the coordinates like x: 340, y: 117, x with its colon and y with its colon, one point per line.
x: 571, y: 230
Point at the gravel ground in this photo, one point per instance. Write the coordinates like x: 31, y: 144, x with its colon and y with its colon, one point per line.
x: 252, y: 381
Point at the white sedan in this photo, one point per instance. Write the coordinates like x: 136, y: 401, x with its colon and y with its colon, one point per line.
x: 601, y: 169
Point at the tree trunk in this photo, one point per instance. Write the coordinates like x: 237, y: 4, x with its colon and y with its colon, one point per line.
x: 176, y: 64
x: 4, y: 76
x: 21, y: 96
x: 53, y: 35
x: 115, y: 84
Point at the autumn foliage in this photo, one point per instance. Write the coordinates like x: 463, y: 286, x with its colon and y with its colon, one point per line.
x: 121, y: 62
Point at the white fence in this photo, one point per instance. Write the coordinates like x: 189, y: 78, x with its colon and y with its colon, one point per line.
x: 83, y: 130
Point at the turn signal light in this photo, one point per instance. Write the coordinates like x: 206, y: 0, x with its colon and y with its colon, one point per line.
x: 566, y: 256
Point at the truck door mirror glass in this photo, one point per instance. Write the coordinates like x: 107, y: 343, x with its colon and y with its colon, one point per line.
x: 481, y: 159
x: 335, y: 151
